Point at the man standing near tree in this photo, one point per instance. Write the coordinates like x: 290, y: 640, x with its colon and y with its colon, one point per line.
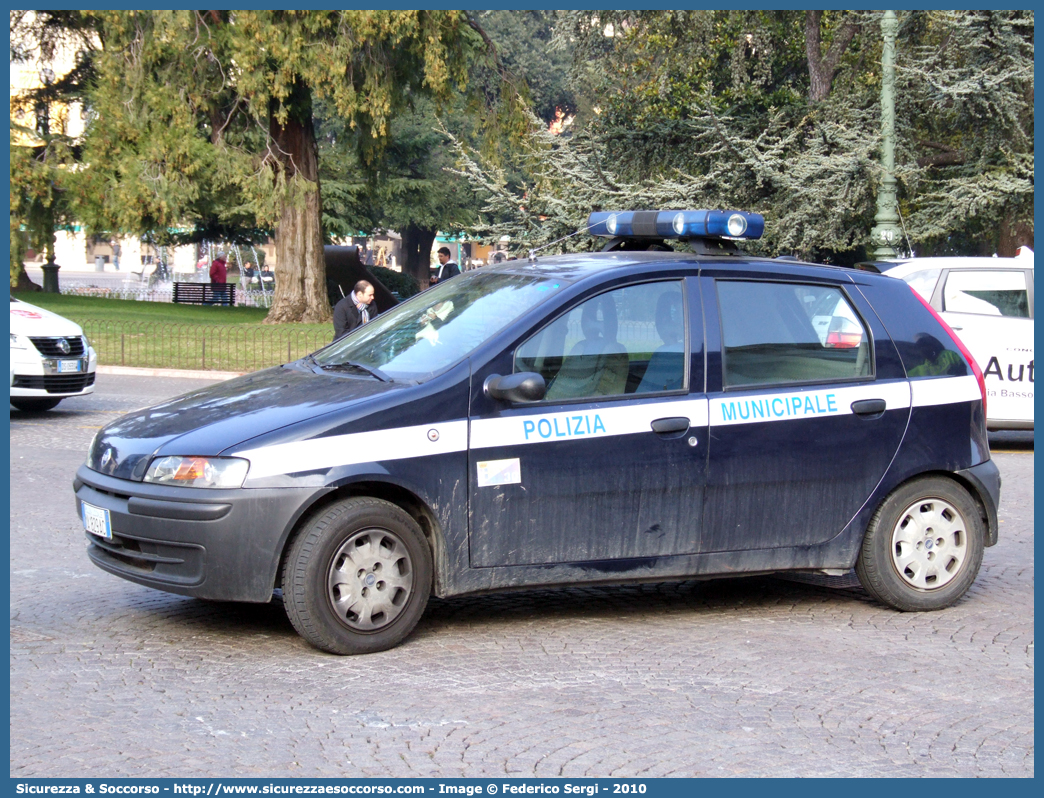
x: 447, y: 268
x: 354, y: 310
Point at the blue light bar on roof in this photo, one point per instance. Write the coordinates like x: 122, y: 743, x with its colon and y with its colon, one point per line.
x: 676, y: 224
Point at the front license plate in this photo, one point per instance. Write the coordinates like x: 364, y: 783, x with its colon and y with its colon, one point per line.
x: 66, y: 366
x: 96, y: 521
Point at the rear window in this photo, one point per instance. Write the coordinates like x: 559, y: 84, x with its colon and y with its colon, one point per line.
x: 778, y: 333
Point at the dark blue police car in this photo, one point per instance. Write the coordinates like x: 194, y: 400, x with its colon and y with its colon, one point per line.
x: 640, y: 414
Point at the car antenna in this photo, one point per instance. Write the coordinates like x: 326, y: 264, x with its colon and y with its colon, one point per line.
x: 909, y: 246
x: 533, y: 252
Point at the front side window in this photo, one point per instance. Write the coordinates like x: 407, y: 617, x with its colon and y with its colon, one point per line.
x: 432, y: 330
x: 987, y: 293
x: 626, y: 341
x: 776, y: 333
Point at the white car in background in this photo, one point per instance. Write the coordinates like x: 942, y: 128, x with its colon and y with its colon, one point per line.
x: 989, y: 304
x: 51, y: 359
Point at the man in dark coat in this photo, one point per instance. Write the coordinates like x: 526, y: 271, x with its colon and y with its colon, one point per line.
x: 354, y: 310
x: 447, y: 268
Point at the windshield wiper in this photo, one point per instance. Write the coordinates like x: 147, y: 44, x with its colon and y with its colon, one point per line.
x: 350, y: 365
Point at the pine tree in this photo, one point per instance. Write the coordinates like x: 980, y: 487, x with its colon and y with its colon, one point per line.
x: 779, y: 113
x: 965, y: 91
x: 206, y: 118
x: 43, y: 153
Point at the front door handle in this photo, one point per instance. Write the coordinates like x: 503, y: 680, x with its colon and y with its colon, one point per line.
x: 869, y: 407
x: 665, y: 426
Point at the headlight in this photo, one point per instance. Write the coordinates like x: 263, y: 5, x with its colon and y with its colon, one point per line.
x: 18, y: 342
x: 198, y: 472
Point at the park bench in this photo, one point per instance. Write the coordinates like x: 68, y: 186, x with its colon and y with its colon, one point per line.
x: 205, y: 293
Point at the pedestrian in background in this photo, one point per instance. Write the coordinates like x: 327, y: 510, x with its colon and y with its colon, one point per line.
x: 218, y: 277
x: 267, y: 278
x: 218, y: 270
x: 354, y: 310
x: 116, y: 252
x: 447, y: 268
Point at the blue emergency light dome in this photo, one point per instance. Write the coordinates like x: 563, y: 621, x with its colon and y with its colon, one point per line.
x: 676, y: 224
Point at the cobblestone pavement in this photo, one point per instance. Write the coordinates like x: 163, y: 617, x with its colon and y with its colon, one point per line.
x: 740, y: 677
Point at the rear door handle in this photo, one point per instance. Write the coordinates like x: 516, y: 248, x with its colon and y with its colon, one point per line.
x: 869, y: 407
x: 665, y: 426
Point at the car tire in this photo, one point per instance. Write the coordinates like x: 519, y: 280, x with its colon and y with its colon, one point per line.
x: 923, y: 547
x: 28, y: 404
x: 357, y: 577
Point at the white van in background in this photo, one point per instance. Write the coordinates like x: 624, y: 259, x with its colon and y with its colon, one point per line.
x: 989, y: 304
x: 51, y: 359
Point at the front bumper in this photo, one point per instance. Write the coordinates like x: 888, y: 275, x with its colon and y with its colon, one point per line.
x: 214, y: 544
x: 41, y: 377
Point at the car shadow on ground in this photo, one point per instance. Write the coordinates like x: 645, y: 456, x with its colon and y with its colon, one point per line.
x: 232, y: 620
x: 614, y: 602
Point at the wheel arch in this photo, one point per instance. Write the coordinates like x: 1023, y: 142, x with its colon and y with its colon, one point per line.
x: 977, y: 491
x: 391, y: 492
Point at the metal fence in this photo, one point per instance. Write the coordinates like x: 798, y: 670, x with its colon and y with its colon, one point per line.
x: 231, y: 347
x: 151, y: 291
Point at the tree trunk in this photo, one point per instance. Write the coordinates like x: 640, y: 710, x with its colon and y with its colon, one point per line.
x: 416, y: 253
x: 1012, y: 236
x: 300, y: 270
x: 20, y: 279
x: 822, y: 67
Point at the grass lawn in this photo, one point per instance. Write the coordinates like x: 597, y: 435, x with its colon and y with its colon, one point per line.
x: 163, y: 335
x: 82, y: 308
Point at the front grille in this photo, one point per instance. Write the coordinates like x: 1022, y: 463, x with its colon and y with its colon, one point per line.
x: 127, y: 552
x: 57, y: 383
x: 182, y: 564
x: 48, y: 347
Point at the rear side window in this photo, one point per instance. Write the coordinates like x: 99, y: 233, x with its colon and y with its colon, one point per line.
x: 775, y: 333
x: 987, y: 293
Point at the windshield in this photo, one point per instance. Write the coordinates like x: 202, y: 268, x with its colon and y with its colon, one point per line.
x: 432, y: 330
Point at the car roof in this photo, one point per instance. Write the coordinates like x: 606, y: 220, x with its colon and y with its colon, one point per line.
x: 580, y: 265
x: 905, y: 267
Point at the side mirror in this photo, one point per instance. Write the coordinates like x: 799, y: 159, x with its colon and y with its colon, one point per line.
x: 526, y: 386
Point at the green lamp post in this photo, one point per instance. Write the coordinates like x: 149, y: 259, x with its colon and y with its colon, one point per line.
x: 887, y: 233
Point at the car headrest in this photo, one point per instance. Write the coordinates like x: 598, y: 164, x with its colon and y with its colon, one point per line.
x: 669, y: 317
x: 598, y: 318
